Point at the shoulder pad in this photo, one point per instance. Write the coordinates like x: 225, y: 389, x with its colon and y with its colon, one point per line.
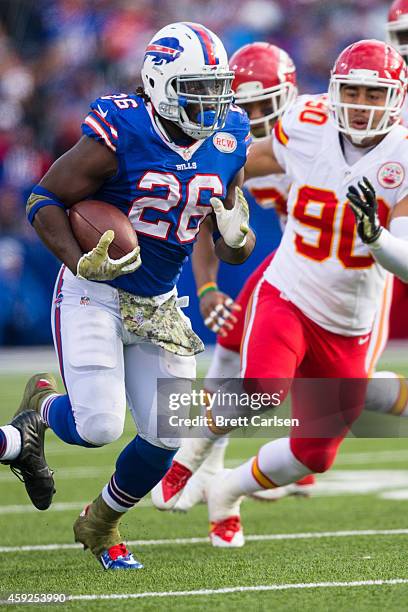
x: 237, y: 122
x: 302, y: 117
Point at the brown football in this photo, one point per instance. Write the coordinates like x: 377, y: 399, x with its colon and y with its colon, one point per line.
x: 91, y: 218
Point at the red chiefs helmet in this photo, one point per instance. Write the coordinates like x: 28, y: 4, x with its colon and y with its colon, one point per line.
x: 264, y: 72
x: 397, y: 26
x: 369, y: 63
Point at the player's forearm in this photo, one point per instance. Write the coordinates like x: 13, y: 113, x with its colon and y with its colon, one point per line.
x: 235, y: 256
x: 391, y: 248
x: 205, y: 262
x: 261, y: 160
x: 52, y: 225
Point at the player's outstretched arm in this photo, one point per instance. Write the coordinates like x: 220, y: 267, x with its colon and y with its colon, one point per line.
x: 73, y: 177
x: 216, y: 307
x: 261, y: 159
x: 390, y: 248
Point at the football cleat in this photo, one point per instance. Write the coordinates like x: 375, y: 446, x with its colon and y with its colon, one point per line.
x: 223, y: 512
x: 167, y: 492
x: 36, y: 390
x: 195, y: 490
x: 188, y: 459
x: 301, y: 488
x: 30, y: 466
x: 227, y: 533
x: 97, y: 527
x: 119, y: 558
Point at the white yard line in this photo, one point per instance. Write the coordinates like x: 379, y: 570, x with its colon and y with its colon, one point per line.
x: 236, y: 589
x: 267, y: 537
x: 85, y: 472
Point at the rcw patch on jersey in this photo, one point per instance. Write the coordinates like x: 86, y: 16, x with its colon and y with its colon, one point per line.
x: 164, y: 50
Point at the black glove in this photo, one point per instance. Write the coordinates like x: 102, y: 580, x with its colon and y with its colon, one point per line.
x: 365, y: 208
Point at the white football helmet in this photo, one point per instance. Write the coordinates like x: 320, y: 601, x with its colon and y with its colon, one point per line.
x: 186, y: 76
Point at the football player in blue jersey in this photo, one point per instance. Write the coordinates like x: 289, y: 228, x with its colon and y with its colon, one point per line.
x: 169, y: 157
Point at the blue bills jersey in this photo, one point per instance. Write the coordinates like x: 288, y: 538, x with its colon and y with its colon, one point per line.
x: 163, y: 188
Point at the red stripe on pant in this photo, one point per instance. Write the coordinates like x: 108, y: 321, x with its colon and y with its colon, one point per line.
x: 57, y: 323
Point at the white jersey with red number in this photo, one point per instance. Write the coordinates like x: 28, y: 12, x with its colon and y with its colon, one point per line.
x: 321, y: 265
x: 271, y: 191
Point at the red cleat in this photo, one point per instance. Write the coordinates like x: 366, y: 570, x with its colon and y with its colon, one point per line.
x: 166, y: 493
x: 227, y: 533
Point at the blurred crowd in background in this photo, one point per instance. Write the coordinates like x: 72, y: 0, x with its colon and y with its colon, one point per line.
x: 56, y: 56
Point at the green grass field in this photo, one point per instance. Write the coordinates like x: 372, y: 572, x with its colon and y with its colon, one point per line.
x: 368, y: 490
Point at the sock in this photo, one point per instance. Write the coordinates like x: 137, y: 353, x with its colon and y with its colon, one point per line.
x: 274, y: 466
x: 10, y: 443
x: 387, y: 392
x: 56, y: 411
x: 139, y: 467
x: 215, y: 460
x: 194, y: 451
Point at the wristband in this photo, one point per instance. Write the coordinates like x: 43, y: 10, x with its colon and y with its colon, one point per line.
x: 39, y: 198
x: 206, y: 288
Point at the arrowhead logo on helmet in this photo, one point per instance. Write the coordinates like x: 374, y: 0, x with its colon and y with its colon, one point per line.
x: 164, y: 50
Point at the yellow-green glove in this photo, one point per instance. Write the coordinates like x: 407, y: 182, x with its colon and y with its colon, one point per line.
x: 97, y: 265
x: 233, y: 224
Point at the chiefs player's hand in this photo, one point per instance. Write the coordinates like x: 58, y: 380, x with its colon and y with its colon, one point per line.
x: 97, y: 265
x: 364, y: 206
x: 233, y: 224
x: 217, y: 310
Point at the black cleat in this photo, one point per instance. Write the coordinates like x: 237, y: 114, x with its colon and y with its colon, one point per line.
x: 30, y: 466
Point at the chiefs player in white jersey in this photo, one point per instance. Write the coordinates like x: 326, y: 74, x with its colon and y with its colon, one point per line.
x: 312, y: 313
x: 265, y: 86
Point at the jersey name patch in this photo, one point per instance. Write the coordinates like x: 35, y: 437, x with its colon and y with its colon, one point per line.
x: 391, y: 175
x: 225, y: 142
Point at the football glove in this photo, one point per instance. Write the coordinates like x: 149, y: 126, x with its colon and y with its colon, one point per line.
x: 233, y: 224
x: 98, y: 266
x: 364, y: 206
x: 217, y: 310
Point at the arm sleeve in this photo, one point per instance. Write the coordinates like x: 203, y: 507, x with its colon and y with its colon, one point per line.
x: 391, y: 248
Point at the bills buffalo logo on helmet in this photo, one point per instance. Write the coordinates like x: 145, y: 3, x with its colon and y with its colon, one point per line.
x: 391, y: 175
x: 164, y: 50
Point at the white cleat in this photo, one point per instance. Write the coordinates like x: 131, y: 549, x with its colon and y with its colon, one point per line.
x: 223, y: 510
x: 188, y: 459
x: 167, y: 492
x: 195, y: 491
x: 227, y: 533
x: 301, y: 488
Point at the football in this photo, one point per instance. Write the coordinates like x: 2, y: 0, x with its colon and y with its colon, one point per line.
x: 91, y: 218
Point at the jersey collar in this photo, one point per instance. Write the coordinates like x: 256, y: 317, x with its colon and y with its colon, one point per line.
x: 335, y: 156
x: 185, y: 152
